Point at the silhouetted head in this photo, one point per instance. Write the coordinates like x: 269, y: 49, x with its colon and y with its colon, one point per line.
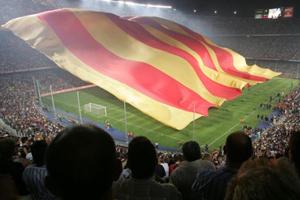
x: 38, y: 150
x: 7, y: 149
x: 238, y: 148
x: 142, y: 158
x: 259, y: 180
x: 191, y: 151
x: 294, y: 149
x: 81, y: 163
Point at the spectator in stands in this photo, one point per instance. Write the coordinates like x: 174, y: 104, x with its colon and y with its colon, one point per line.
x: 175, y: 162
x: 142, y: 160
x: 212, y: 184
x: 35, y: 174
x: 81, y: 163
x: 294, y: 150
x: 184, y: 175
x: 9, y: 167
x: 261, y: 179
x: 163, y: 161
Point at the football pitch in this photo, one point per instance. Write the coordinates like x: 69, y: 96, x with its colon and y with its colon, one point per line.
x: 211, y: 130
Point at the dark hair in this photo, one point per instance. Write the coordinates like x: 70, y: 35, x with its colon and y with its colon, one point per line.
x: 238, y: 147
x: 38, y: 150
x: 294, y: 149
x: 191, y: 151
x: 81, y: 163
x: 142, y: 158
x: 7, y: 149
x: 259, y: 180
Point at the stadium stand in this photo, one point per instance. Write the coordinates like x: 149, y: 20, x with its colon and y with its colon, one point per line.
x: 273, y: 142
x: 27, y: 59
x: 266, y: 42
x: 18, y: 108
x: 15, y: 8
x: 229, y: 26
x: 264, y: 47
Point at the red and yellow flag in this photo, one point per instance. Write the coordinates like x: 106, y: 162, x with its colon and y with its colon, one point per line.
x: 158, y: 66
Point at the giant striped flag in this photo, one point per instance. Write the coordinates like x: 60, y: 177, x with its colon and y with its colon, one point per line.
x: 160, y: 67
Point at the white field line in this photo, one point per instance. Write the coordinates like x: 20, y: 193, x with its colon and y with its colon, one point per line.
x: 132, y: 123
x: 228, y: 131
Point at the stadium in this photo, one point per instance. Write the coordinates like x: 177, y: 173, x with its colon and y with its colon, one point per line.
x: 182, y: 75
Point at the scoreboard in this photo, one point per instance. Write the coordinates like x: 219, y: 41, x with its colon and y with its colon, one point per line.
x: 274, y: 13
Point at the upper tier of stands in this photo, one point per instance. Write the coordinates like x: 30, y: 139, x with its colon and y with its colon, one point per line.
x: 254, y: 39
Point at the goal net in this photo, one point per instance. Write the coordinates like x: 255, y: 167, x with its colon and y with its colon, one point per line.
x: 95, y: 109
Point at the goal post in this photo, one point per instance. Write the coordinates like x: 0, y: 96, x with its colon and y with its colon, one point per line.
x: 95, y: 109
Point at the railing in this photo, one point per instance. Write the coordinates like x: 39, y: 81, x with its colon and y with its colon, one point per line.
x: 26, y: 70
x: 69, y: 90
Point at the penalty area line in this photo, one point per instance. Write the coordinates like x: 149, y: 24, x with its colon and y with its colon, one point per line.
x: 229, y: 130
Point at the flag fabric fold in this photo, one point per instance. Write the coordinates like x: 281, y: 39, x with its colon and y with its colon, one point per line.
x: 158, y: 66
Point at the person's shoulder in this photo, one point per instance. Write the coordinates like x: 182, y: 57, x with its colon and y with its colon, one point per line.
x: 223, y: 173
x: 204, y: 178
x: 178, y: 169
x: 171, y: 191
x: 123, y: 182
x: 121, y: 186
x: 167, y: 186
x: 207, y: 173
x: 205, y: 162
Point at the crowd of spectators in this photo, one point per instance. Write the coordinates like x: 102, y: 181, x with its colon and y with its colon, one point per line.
x: 57, y: 78
x: 219, y: 25
x: 15, y: 8
x: 27, y: 59
x: 17, y: 104
x: 19, y: 111
x: 193, y: 171
x: 47, y: 161
x: 208, y: 25
x: 289, y: 69
x: 47, y: 167
x: 277, y: 53
x: 273, y: 142
x: 263, y: 47
x: 257, y: 39
x: 3, y: 132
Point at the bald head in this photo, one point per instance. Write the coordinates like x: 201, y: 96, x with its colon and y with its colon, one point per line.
x: 238, y: 147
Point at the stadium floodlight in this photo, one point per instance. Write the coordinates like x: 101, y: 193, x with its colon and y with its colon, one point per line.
x: 195, y: 10
x: 120, y: 2
x: 235, y: 12
x: 131, y: 3
x: 216, y: 12
x: 159, y: 6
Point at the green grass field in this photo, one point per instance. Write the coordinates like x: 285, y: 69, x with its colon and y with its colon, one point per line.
x: 210, y: 130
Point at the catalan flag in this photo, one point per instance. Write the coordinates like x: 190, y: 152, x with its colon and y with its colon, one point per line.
x: 164, y: 69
